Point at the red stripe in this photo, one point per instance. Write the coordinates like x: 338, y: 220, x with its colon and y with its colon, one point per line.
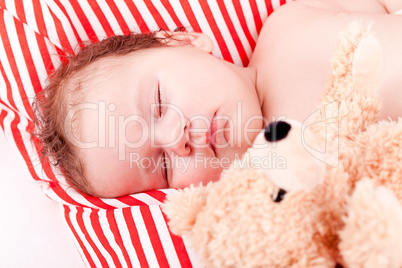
x: 216, y: 31
x: 158, y: 195
x: 63, y: 195
x: 3, y: 114
x: 135, y: 239
x: 131, y: 201
x: 233, y: 33
x: 282, y: 2
x: 172, y: 13
x: 270, y: 8
x: 45, y: 164
x: 84, y: 21
x: 39, y: 17
x: 137, y: 16
x: 19, y: 7
x: 117, y: 236
x: 29, y: 63
x: 45, y: 55
x: 80, y: 221
x: 101, y: 236
x: 101, y: 17
x: 154, y: 236
x: 13, y: 64
x: 67, y: 16
x: 180, y: 248
x: 64, y: 42
x: 156, y: 15
x: 77, y: 237
x: 239, y: 12
x: 21, y: 147
x: 256, y: 14
x: 98, y: 202
x: 190, y: 15
x: 8, y: 86
x: 120, y: 20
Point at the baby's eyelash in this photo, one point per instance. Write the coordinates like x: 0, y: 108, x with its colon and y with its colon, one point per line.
x: 159, y: 100
x: 164, y: 166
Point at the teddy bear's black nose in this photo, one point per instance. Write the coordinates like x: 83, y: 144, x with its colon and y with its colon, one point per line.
x: 276, y: 131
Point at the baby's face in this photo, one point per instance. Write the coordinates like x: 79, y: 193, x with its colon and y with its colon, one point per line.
x: 162, y: 118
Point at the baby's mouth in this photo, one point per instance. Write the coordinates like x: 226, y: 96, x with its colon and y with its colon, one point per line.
x: 211, y: 134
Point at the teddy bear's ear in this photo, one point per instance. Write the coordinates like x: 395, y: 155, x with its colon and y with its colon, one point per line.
x: 366, y: 68
x: 183, y: 207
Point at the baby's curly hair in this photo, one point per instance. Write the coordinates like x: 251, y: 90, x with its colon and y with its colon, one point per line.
x: 51, y: 105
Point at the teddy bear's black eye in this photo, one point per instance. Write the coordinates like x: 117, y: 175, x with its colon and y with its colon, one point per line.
x: 279, y: 195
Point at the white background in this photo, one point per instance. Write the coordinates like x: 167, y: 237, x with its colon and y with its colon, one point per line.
x: 33, y: 232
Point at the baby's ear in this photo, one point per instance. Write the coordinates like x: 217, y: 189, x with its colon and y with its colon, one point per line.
x: 198, y: 40
x: 183, y: 207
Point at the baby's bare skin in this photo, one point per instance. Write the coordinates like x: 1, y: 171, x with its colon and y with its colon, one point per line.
x: 296, y: 44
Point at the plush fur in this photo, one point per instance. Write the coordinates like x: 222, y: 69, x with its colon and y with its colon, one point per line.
x: 329, y: 192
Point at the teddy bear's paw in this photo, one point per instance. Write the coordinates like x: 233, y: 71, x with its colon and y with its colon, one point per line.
x: 372, y: 236
x: 183, y: 207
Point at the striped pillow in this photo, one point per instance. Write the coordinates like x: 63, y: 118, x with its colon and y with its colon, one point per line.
x: 127, y: 231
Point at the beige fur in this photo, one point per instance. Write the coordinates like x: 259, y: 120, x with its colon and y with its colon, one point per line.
x: 346, y: 209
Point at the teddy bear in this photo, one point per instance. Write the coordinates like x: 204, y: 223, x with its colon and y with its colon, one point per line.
x: 326, y: 192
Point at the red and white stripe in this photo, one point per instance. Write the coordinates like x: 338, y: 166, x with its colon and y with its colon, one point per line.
x: 130, y: 231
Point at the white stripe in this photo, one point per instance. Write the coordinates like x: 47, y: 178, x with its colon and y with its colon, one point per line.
x: 236, y: 22
x: 8, y: 119
x: 194, y: 258
x: 10, y: 7
x: 248, y: 16
x: 50, y: 26
x: 13, y: 39
x: 147, y: 16
x: 262, y: 9
x: 37, y: 60
x: 127, y: 16
x: 91, y: 252
x: 3, y: 90
x: 165, y: 237
x: 75, y: 21
x: 110, y: 17
x: 30, y: 15
x: 93, y: 20
x: 65, y: 24
x: 178, y: 9
x: 93, y: 235
x: 72, y: 216
x: 144, y: 237
x: 165, y: 15
x: 54, y: 57
x: 114, y: 202
x: 228, y: 38
x: 275, y: 4
x: 169, y: 191
x: 204, y: 26
x: 103, y: 220
x: 147, y: 199
x: 125, y: 235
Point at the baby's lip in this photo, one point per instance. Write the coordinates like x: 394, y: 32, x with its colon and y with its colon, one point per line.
x: 211, y: 133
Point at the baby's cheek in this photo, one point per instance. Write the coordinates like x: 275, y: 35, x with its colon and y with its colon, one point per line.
x: 195, y: 170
